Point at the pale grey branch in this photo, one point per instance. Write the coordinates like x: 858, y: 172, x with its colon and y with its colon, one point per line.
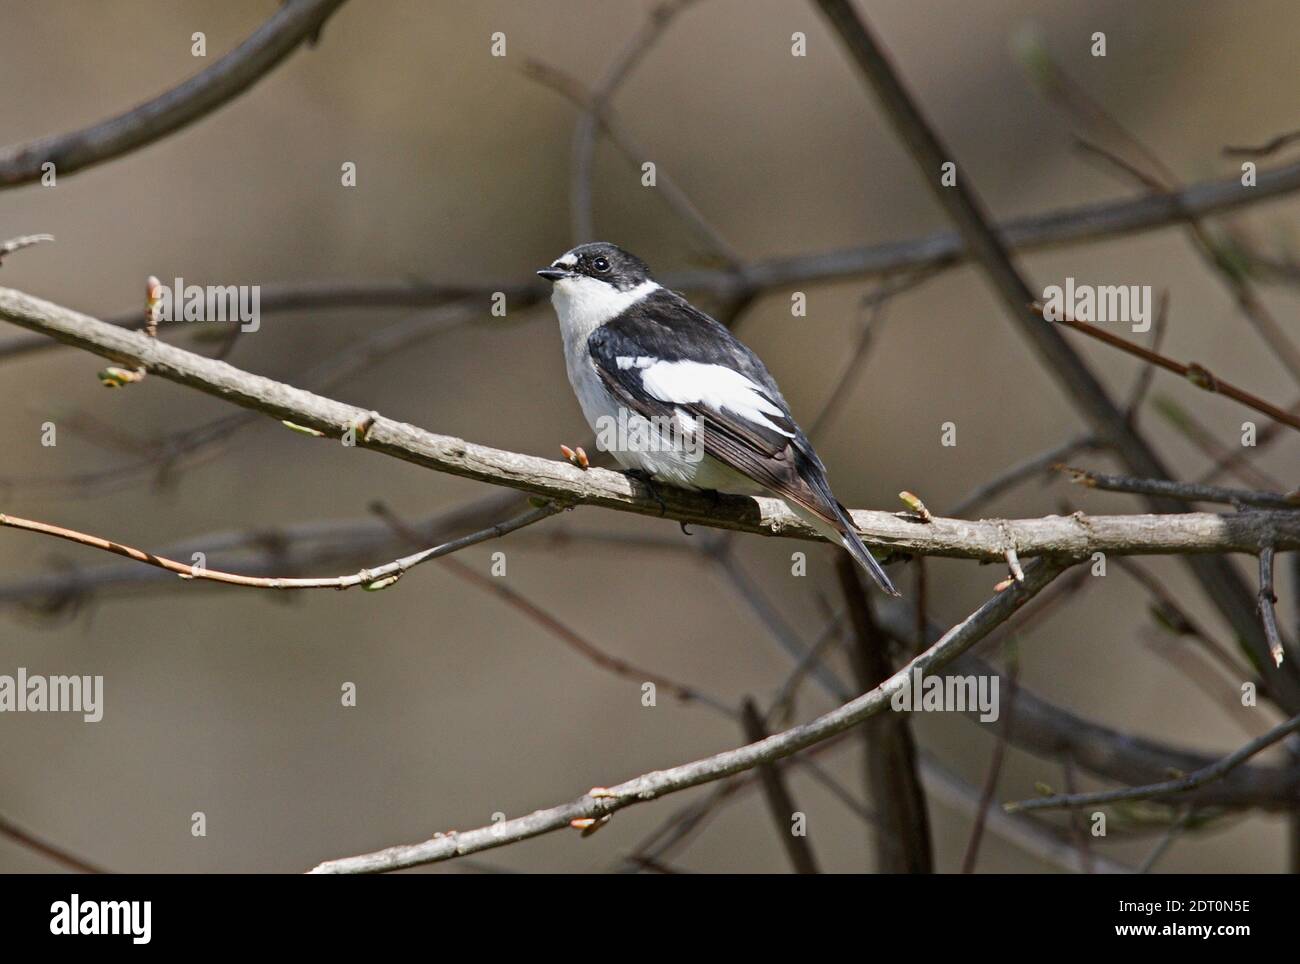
x: 1072, y: 537
x: 650, y: 786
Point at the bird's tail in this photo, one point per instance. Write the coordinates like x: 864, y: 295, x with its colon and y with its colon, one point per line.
x: 843, y: 532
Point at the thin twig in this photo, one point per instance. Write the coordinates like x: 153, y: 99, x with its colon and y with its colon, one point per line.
x: 667, y: 188
x: 1198, y: 375
x: 787, y: 638
x: 994, y: 773
x: 1013, y: 476
x: 1267, y: 602
x: 26, y: 241
x: 577, y: 642
x: 1094, y: 222
x: 1226, y: 460
x: 876, y: 302
x: 783, y: 702
x: 1169, y: 611
x: 1271, y: 146
x: 1201, y: 777
x: 584, y: 134
x: 1078, y: 829
x: 1188, y: 491
x: 35, y: 844
x: 1146, y: 377
x: 379, y: 577
x: 1155, y: 176
x: 1167, y: 839
x: 651, y: 786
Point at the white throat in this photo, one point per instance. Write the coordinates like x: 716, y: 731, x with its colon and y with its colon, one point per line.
x: 584, y: 304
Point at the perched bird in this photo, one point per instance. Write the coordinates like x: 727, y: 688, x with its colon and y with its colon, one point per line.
x: 693, y: 407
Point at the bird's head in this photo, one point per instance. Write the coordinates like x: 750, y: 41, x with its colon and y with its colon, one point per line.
x: 599, y: 262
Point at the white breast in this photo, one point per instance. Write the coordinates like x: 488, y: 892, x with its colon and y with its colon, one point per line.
x: 583, y: 305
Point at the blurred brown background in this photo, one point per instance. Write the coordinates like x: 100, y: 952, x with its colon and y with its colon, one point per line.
x: 227, y: 701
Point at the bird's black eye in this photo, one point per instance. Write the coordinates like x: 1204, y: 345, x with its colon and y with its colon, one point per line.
x: 600, y: 264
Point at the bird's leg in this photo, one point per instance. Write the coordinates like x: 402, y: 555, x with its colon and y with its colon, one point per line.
x: 642, y: 476
x: 576, y: 457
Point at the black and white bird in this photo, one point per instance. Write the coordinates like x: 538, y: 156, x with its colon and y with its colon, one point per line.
x: 637, y: 351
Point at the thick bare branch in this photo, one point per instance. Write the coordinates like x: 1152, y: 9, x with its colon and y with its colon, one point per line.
x: 1072, y: 537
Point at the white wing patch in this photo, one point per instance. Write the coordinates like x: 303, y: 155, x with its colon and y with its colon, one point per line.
x: 718, y: 387
x: 641, y: 361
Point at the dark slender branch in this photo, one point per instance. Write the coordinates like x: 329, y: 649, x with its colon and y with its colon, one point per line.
x: 1167, y: 610
x: 1052, y: 732
x: 1198, y: 375
x: 876, y: 303
x: 1267, y: 602
x: 584, y: 133
x: 1034, y: 836
x: 1150, y: 172
x: 1225, y: 459
x: 1090, y: 222
x: 324, y: 296
x: 1095, y: 222
x: 1221, y: 583
x: 779, y: 629
x: 294, y: 22
x: 551, y: 623
x: 902, y: 827
x: 1146, y: 377
x: 1200, y: 778
x: 1018, y: 473
x: 1271, y: 146
x: 1188, y: 491
x: 35, y: 844
x: 965, y: 209
x: 1167, y: 839
x: 994, y: 774
x: 779, y: 801
x: 667, y: 188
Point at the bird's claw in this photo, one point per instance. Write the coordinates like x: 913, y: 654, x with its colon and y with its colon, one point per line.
x: 576, y: 457
x: 589, y: 825
x: 644, y: 478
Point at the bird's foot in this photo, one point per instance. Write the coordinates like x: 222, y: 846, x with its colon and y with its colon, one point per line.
x: 576, y: 457
x: 589, y: 825
x: 644, y: 478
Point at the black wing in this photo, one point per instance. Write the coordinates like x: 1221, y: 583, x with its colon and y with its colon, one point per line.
x: 761, y: 440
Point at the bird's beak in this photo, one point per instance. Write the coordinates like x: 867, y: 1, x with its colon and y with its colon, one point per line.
x: 554, y: 274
